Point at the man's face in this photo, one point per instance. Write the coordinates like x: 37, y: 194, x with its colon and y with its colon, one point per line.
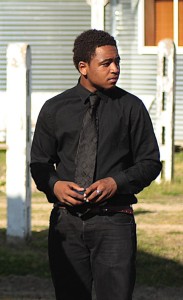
x: 103, y: 70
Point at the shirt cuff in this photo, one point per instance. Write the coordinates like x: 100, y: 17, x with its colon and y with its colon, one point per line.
x: 53, y: 179
x: 123, y: 186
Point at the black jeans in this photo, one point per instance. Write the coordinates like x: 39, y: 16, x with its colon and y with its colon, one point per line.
x: 101, y: 248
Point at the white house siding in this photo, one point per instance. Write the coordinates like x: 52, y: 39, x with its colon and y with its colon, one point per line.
x: 50, y: 28
x: 179, y: 99
x: 138, y: 71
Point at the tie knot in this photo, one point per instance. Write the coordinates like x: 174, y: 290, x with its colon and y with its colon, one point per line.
x: 94, y: 100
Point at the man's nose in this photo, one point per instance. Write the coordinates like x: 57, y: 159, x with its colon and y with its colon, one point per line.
x: 115, y: 67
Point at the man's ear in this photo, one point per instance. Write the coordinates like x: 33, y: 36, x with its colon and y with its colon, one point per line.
x: 83, y: 68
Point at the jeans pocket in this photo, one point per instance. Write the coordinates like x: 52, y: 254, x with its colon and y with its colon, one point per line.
x: 55, y: 217
x: 116, y: 240
x: 120, y: 218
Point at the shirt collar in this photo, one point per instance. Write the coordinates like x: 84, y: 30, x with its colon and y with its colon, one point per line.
x: 103, y: 94
x: 83, y: 92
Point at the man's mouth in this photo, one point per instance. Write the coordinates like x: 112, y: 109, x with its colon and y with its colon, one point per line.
x: 113, y: 79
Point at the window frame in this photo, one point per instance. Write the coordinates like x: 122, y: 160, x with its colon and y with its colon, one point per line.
x: 142, y: 49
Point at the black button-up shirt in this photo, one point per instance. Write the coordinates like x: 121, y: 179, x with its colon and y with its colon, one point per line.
x: 127, y: 147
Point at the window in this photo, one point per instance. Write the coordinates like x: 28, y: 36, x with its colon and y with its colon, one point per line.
x: 161, y: 19
x: 180, y: 23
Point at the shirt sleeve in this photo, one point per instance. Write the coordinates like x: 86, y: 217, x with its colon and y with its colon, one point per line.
x: 43, y: 154
x: 146, y: 164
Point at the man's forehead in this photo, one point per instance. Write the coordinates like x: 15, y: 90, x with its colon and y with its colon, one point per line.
x: 107, y: 51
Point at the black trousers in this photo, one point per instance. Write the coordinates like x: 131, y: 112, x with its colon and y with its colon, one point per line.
x: 101, y: 248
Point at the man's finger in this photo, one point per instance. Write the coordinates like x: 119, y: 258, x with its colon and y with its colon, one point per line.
x: 98, y: 192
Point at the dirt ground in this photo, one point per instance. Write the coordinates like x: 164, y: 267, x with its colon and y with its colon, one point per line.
x: 33, y: 288
x: 29, y: 287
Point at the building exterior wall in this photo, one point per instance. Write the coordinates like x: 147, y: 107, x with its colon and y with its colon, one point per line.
x: 138, y: 71
x: 50, y: 28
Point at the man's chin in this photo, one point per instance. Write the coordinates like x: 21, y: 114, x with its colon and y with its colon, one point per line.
x: 106, y: 87
x: 110, y: 87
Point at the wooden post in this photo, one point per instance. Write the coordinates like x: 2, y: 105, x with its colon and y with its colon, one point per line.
x: 97, y: 13
x: 165, y: 106
x: 18, y: 182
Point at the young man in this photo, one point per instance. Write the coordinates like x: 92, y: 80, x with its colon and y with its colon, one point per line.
x: 92, y: 235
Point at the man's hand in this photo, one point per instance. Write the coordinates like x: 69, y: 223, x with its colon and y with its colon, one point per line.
x: 67, y: 193
x: 101, y: 190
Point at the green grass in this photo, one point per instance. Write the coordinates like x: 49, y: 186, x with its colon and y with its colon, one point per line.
x: 174, y: 188
x: 156, y: 271
x: 159, y: 218
x: 23, y: 259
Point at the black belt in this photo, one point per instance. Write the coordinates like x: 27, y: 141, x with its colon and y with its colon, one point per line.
x: 84, y: 210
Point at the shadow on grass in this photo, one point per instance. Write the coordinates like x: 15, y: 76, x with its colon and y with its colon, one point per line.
x: 158, y: 271
x: 25, y: 258
x: 31, y: 259
x: 142, y: 212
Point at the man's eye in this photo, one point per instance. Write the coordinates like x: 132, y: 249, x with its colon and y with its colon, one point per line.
x: 117, y: 62
x: 106, y: 64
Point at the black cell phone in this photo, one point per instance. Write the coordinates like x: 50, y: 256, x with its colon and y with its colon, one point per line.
x: 79, y: 192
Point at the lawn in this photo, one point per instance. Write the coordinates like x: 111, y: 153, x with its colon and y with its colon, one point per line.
x: 159, y: 218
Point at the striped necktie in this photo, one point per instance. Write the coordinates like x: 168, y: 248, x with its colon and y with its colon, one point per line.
x: 87, y: 147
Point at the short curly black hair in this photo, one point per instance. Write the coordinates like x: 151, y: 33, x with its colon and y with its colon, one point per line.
x: 86, y: 43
